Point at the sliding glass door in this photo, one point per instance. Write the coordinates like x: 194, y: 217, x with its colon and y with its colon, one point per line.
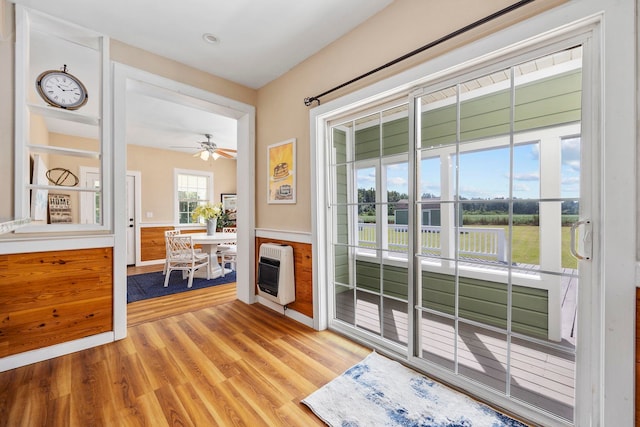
x: 453, y: 215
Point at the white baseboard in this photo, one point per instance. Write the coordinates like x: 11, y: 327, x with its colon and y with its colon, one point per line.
x: 292, y: 314
x: 46, y: 353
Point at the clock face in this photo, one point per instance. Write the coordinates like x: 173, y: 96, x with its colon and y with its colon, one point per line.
x: 61, y: 89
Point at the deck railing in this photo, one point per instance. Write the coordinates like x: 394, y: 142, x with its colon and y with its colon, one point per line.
x: 473, y: 242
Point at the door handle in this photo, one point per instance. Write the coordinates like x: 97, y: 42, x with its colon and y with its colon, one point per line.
x: 586, y: 240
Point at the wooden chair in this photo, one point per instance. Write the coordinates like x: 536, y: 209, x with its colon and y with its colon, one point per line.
x: 166, y: 244
x: 183, y: 257
x: 228, y: 251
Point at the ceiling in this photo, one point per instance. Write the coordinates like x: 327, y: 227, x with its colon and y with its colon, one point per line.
x: 258, y: 41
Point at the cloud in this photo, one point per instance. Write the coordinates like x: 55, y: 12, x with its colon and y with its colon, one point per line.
x: 572, y: 180
x: 521, y: 188
x: 571, y: 153
x: 529, y: 176
x: 398, y: 181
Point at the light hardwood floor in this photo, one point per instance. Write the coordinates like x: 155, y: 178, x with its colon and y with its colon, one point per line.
x: 200, y: 358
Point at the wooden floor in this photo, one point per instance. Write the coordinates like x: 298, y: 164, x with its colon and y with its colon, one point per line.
x: 539, y: 375
x: 200, y: 358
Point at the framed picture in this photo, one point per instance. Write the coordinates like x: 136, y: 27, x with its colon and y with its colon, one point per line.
x: 228, y: 201
x: 39, y: 197
x: 282, y: 172
x: 60, y: 209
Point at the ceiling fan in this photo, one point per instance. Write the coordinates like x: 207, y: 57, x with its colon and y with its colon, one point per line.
x: 209, y: 148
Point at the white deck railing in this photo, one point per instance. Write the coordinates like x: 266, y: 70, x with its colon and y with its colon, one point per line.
x: 478, y: 242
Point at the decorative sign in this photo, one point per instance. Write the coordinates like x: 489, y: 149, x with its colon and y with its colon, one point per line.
x: 282, y: 173
x: 60, y: 209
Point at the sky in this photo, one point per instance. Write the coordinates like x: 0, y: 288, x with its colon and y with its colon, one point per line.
x: 485, y: 174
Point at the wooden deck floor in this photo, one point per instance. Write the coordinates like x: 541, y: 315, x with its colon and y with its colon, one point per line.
x: 539, y: 375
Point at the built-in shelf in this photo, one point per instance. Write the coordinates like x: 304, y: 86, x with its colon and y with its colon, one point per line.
x: 9, y: 225
x: 48, y: 149
x: 57, y: 188
x: 61, y: 114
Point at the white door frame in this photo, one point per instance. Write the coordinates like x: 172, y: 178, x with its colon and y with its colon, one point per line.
x: 127, y: 79
x: 606, y: 346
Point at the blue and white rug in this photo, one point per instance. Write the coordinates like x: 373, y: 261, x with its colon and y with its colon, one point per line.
x: 382, y: 392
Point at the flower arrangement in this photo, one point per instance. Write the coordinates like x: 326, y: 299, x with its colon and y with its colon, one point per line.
x: 207, y: 211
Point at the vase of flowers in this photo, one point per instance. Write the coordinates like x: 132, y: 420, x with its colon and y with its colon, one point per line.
x: 209, y: 212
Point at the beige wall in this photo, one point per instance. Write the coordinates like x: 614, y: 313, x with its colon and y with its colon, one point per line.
x: 156, y: 169
x: 173, y: 70
x: 6, y: 116
x: 402, y: 27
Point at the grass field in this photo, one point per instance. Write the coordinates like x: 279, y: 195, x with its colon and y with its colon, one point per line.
x: 525, y: 243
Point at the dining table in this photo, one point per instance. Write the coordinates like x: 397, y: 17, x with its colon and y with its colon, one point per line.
x: 209, y: 244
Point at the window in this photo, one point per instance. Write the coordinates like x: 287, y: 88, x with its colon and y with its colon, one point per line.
x: 193, y: 188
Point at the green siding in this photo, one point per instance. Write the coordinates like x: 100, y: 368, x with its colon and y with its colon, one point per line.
x: 367, y: 143
x: 340, y: 145
x: 368, y: 276
x: 543, y: 103
x: 486, y: 302
x: 341, y: 270
x: 480, y: 300
x: 395, y: 137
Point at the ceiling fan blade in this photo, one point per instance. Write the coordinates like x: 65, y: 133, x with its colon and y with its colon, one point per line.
x: 228, y: 150
x: 225, y: 155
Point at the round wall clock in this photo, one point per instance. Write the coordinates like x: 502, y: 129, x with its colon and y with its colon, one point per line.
x: 61, y: 89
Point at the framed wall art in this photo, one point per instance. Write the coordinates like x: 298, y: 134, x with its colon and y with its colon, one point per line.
x: 60, y: 209
x: 282, y: 172
x: 229, y: 202
x: 39, y: 197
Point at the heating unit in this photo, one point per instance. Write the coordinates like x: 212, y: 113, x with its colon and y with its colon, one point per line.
x: 276, y: 280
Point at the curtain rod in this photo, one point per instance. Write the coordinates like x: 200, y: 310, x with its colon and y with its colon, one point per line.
x: 517, y: 5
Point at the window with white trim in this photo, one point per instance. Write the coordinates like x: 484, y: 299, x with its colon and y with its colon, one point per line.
x: 193, y: 188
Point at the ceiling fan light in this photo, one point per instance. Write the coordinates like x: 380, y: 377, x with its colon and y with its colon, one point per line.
x: 204, y: 155
x: 215, y: 155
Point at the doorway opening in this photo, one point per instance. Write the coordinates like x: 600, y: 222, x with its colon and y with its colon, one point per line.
x: 129, y: 83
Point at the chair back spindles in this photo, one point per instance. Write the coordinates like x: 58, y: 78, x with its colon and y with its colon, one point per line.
x: 181, y: 255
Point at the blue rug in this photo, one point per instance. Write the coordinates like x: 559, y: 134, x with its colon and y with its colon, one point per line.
x: 382, y: 392
x: 151, y: 285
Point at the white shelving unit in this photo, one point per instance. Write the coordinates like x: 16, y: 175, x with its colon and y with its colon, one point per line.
x: 49, y: 137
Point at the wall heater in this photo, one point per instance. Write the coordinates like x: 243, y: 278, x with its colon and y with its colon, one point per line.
x: 276, y: 281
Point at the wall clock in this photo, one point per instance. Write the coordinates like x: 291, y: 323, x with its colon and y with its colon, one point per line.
x: 61, y: 89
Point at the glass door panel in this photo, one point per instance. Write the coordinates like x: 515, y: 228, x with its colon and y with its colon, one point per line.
x: 481, y: 243
x: 505, y: 289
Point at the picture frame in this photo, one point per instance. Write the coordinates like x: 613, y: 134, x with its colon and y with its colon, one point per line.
x: 39, y: 197
x: 229, y: 205
x: 281, y: 170
x: 60, y: 209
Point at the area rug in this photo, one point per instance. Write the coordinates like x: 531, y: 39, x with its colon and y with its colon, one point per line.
x: 151, y: 285
x: 381, y: 392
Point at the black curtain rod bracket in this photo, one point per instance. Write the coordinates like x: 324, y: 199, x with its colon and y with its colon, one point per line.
x: 310, y: 100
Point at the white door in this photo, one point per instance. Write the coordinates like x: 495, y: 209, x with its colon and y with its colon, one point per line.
x: 470, y: 271
x: 90, y: 206
x: 131, y: 220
